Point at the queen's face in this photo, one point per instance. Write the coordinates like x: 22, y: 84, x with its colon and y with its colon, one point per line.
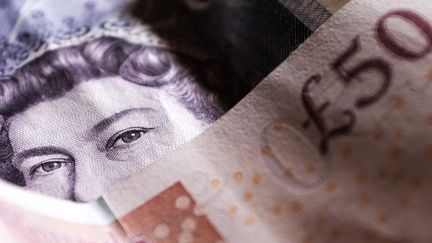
x: 100, y: 132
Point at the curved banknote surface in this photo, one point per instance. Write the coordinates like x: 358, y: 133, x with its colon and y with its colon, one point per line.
x: 92, y: 92
x: 332, y: 146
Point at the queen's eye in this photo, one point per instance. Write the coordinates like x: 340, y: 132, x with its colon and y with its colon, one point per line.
x: 48, y: 167
x: 126, y: 137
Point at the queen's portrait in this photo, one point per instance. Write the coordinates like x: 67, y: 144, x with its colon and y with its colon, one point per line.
x: 81, y: 118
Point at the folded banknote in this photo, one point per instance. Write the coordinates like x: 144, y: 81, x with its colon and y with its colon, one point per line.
x: 331, y: 145
x: 93, y: 92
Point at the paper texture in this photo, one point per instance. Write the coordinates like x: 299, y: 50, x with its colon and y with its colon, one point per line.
x: 333, y: 146
x: 93, y: 92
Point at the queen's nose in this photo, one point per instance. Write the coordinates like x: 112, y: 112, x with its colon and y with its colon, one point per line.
x: 89, y: 182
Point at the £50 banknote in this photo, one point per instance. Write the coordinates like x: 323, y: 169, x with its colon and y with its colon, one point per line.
x: 94, y: 92
x: 333, y: 146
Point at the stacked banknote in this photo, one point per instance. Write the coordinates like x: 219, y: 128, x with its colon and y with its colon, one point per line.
x: 215, y: 121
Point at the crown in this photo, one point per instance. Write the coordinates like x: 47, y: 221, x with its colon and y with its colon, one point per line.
x: 30, y: 39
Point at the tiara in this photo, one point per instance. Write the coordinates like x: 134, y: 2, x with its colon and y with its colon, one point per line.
x: 30, y: 42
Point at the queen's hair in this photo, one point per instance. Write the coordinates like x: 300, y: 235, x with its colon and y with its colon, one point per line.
x: 206, y: 87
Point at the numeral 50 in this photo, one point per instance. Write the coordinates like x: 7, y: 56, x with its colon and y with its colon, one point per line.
x: 377, y: 64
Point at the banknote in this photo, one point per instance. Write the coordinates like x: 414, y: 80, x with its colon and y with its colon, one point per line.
x: 333, y: 5
x: 332, y: 146
x: 93, y: 92
x: 53, y: 220
x: 43, y: 44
